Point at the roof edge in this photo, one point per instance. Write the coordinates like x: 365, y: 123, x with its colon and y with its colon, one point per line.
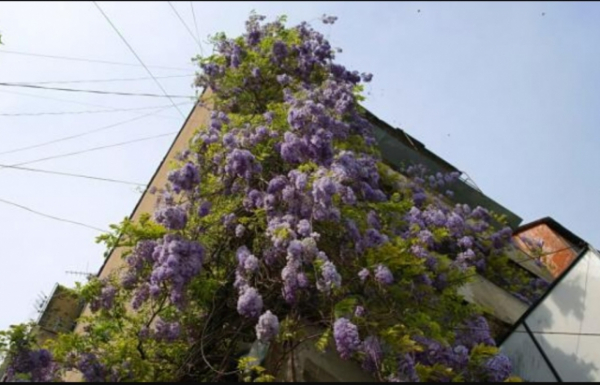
x: 556, y: 226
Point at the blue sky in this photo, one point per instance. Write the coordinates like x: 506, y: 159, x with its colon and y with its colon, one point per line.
x: 499, y: 90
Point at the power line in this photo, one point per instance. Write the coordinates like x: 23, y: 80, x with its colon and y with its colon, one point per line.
x: 88, y: 60
x: 91, y: 91
x: 65, y: 138
x: 51, y: 216
x: 93, y: 149
x: 106, y: 80
x: 196, y: 26
x: 83, y: 112
x: 63, y: 100
x: 136, y: 55
x: 186, y: 26
x: 72, y: 175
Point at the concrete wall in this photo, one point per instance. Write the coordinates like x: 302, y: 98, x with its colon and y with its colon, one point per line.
x: 565, y: 327
x: 59, y: 315
x: 114, y: 264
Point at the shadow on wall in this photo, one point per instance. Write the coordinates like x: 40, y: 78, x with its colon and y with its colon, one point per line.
x: 558, y: 321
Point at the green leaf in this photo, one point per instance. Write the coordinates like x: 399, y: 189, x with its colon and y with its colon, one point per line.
x: 345, y: 306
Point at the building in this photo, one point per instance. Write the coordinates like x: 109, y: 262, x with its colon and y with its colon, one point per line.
x: 557, y: 339
x: 557, y: 245
x: 399, y: 150
x: 57, y: 314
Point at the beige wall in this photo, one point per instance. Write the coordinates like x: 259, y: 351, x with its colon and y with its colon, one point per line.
x: 198, y: 117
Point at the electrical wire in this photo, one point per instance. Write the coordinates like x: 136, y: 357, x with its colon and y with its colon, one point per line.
x: 196, y: 25
x: 51, y: 216
x: 65, y: 138
x: 93, y: 149
x: 88, y: 60
x: 186, y: 26
x: 105, y: 80
x: 92, y: 91
x: 83, y: 112
x: 72, y: 175
x: 68, y: 101
x: 136, y: 55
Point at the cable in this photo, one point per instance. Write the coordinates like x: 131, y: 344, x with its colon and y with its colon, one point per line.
x: 93, y: 149
x: 51, y: 216
x: 186, y: 26
x: 65, y: 138
x: 106, y: 80
x: 88, y: 60
x: 136, y: 55
x: 91, y: 91
x: 72, y: 175
x: 83, y: 112
x: 67, y: 101
x: 196, y: 25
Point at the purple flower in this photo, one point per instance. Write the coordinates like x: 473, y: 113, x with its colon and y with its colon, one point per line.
x: 268, y: 117
x: 455, y: 224
x: 107, y: 297
x: 279, y: 50
x: 373, y: 220
x: 426, y: 237
x: 383, y: 275
x: 331, y: 278
x: 250, y: 303
x: 474, y: 332
x: 251, y: 264
x: 204, y: 209
x: 373, y: 354
x: 374, y: 238
x: 465, y: 242
x: 363, y: 274
x: 242, y: 254
x: 239, y: 230
x: 240, y: 163
x: 419, y: 251
x: 304, y: 228
x: 366, y: 77
x: 346, y: 337
x: 172, y: 217
x: 167, y: 331
x: 267, y: 327
x: 480, y: 213
x: 91, y: 368
x: 253, y: 200
x: 498, y: 368
x: 302, y: 280
x: 184, y: 179
x: 359, y: 311
x: 283, y: 79
x: 277, y: 184
x: 295, y: 250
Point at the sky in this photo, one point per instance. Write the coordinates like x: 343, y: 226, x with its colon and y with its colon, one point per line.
x: 507, y: 92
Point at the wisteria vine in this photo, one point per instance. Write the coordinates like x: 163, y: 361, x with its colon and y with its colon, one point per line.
x: 281, y: 214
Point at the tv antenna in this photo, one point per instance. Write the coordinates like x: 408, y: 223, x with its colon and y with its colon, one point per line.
x: 40, y: 302
x: 88, y: 275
